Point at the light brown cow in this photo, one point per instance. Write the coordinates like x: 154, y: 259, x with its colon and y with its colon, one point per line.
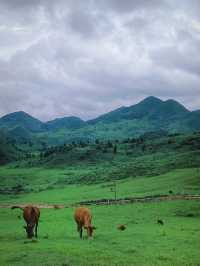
x: 31, y: 215
x: 83, y: 218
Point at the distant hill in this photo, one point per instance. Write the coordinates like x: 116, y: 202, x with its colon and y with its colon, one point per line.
x: 151, y: 108
x: 21, y: 119
x: 70, y: 122
x: 149, y: 115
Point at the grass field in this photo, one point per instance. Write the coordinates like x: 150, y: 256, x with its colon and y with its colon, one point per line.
x: 180, y: 181
x: 166, y: 166
x: 144, y: 242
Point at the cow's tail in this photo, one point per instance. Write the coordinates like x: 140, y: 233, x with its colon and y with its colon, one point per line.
x: 17, y: 207
x: 33, y: 213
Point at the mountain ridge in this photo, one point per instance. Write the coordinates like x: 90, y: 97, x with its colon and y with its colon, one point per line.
x: 148, y: 100
x: 150, y: 114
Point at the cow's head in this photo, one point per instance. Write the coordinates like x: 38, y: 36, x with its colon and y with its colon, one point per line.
x: 90, y: 229
x: 29, y: 230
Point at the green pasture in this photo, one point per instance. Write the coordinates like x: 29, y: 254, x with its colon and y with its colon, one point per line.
x: 163, y: 166
x: 144, y: 242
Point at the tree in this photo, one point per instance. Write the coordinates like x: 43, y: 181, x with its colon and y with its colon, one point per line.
x: 109, y: 144
x: 115, y: 149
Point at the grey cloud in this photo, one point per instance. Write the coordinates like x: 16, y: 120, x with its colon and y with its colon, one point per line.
x: 173, y: 58
x: 128, y: 6
x: 60, y: 58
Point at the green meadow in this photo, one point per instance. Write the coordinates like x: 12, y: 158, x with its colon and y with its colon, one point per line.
x: 144, y: 242
x: 166, y: 166
x: 179, y: 181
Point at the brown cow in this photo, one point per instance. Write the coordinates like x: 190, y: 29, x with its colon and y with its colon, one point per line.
x: 31, y: 216
x: 83, y: 218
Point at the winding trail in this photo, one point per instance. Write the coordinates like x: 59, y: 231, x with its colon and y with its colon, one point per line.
x: 120, y: 201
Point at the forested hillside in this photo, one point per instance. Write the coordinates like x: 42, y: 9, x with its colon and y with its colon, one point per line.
x: 151, y: 114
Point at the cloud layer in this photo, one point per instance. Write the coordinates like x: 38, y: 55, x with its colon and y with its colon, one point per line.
x: 84, y: 58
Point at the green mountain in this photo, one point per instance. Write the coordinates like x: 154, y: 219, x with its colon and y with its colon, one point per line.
x: 193, y: 120
x: 149, y: 115
x: 20, y: 119
x: 19, y: 133
x: 70, y: 122
x: 151, y: 108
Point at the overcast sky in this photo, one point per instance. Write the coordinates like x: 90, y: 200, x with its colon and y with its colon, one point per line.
x: 87, y: 57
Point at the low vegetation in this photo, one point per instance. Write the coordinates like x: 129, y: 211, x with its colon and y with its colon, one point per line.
x: 97, y: 162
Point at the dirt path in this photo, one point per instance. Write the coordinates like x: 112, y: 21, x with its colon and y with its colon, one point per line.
x: 121, y: 201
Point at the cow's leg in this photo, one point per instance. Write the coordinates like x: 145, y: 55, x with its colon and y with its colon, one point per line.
x: 81, y: 232
x: 36, y: 230
x: 78, y: 228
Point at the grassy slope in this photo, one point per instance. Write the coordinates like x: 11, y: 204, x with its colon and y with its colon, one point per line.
x: 143, y: 172
x: 179, y: 181
x: 36, y: 179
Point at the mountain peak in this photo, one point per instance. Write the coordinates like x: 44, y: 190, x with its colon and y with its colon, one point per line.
x: 14, y: 114
x: 151, y: 99
x: 21, y: 119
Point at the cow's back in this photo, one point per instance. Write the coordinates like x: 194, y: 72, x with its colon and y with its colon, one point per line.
x: 82, y: 215
x: 31, y: 214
